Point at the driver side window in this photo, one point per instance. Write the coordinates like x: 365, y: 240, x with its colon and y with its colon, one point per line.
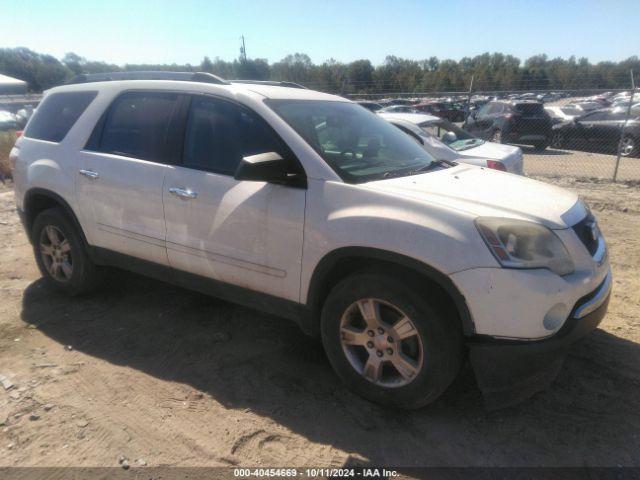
x: 219, y: 133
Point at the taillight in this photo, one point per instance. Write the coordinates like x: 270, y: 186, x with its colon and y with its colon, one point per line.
x: 18, y: 133
x: 496, y: 165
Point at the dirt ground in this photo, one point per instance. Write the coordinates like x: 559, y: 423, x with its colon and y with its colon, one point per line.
x: 560, y: 162
x: 164, y: 376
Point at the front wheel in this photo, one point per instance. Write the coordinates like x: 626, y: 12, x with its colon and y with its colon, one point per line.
x: 629, y: 146
x: 388, y: 342
x: 557, y: 140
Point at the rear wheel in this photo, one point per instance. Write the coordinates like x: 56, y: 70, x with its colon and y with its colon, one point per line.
x: 388, y: 343
x: 60, y: 254
x: 628, y: 146
x: 557, y: 140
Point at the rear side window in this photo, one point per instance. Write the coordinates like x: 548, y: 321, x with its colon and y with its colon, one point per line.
x: 56, y: 115
x: 220, y: 133
x: 138, y: 126
x: 530, y: 108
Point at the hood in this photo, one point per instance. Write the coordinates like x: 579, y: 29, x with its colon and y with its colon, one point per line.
x: 485, y: 192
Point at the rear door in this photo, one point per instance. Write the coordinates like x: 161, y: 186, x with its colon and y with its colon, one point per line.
x: 243, y: 233
x: 609, y: 129
x: 591, y: 131
x: 122, y: 170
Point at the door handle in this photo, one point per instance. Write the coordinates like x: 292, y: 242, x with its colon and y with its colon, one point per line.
x: 89, y: 174
x: 183, y: 193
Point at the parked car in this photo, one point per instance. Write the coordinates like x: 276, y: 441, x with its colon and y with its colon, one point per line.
x: 444, y: 140
x: 23, y: 115
x: 584, y: 107
x: 373, y: 106
x: 398, y: 109
x: 600, y: 131
x: 453, y: 112
x: 305, y: 205
x: 562, y: 114
x: 623, y: 105
x: 520, y: 122
x: 8, y: 121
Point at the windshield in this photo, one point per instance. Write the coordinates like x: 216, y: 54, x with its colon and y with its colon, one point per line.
x: 457, y: 138
x: 357, y: 144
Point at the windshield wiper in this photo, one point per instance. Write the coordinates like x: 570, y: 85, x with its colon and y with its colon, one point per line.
x: 425, y: 168
x: 436, y: 163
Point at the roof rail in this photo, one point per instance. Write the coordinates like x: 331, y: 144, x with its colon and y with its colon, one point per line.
x: 270, y: 82
x: 177, y: 76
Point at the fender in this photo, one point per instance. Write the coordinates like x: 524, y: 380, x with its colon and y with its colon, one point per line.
x: 29, y: 216
x: 317, y: 289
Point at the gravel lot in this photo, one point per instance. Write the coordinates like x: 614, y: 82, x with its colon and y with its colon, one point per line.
x: 554, y: 162
x: 163, y: 376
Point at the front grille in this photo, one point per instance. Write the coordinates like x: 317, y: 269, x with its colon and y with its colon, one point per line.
x: 588, y: 233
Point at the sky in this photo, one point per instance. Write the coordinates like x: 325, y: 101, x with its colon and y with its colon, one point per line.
x: 184, y: 31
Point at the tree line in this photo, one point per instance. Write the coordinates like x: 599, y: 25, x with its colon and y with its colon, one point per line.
x: 490, y: 72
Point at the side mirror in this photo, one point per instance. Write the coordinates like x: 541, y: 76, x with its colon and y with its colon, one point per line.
x: 449, y: 137
x: 266, y: 167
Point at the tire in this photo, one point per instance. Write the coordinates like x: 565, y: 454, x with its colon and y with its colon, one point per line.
x: 60, y: 254
x: 539, y: 147
x: 496, y: 136
x: 432, y: 351
x: 629, y: 147
x: 557, y: 140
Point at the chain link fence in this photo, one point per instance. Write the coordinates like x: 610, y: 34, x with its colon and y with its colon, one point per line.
x: 591, y: 133
x: 583, y: 133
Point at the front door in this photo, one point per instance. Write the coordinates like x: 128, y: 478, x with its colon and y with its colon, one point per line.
x: 243, y: 233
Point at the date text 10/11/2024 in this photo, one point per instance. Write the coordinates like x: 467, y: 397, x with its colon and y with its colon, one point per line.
x: 315, y: 472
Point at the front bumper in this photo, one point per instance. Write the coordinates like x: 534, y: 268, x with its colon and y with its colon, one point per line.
x: 510, y: 371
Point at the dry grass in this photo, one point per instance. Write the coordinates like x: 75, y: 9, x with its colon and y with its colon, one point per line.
x: 7, y: 140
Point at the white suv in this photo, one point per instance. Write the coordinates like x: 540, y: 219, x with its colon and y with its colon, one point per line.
x: 308, y: 206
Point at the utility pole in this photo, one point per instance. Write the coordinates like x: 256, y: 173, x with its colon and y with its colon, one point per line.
x: 624, y: 124
x: 243, y: 50
x: 469, y: 96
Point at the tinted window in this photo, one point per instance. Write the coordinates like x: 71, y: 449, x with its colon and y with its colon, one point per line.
x: 593, y: 116
x: 530, y: 108
x: 137, y: 125
x: 220, y: 133
x: 57, y: 114
x: 571, y: 110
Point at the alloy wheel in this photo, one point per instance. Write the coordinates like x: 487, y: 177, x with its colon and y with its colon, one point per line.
x: 381, y: 343
x: 627, y: 147
x: 55, y: 252
x: 557, y: 140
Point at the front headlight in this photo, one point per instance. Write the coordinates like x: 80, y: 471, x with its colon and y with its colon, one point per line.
x: 522, y: 244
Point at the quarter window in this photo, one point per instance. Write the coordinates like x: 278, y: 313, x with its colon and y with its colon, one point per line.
x: 56, y: 115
